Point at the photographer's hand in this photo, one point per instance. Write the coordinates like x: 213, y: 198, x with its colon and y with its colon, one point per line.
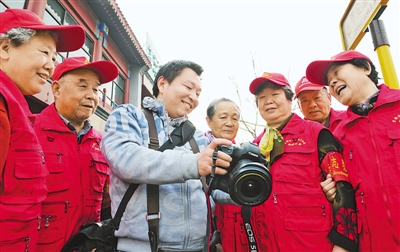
x: 205, y: 161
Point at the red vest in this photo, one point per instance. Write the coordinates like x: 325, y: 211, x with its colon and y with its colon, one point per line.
x: 24, y: 175
x: 297, y: 216
x: 230, y: 224
x: 77, y: 175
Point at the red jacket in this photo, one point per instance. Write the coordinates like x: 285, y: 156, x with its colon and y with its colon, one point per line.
x: 77, y: 176
x: 24, y: 175
x: 372, y: 156
x: 297, y: 216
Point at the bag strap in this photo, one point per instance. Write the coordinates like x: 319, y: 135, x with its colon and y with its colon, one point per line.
x: 153, y: 138
x: 124, y: 202
x: 153, y: 214
x: 178, y: 137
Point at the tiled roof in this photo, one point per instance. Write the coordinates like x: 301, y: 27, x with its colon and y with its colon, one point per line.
x: 122, y: 35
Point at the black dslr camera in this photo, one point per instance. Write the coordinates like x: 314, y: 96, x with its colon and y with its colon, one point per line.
x: 248, y: 180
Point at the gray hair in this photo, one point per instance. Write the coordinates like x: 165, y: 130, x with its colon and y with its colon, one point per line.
x: 19, y: 36
x: 212, y: 106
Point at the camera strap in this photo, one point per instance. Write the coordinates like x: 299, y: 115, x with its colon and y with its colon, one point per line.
x: 178, y: 137
x: 246, y: 214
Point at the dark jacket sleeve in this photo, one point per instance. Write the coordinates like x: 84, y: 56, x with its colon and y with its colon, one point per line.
x: 344, y: 231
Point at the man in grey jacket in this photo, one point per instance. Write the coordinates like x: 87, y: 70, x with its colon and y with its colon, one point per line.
x: 182, y: 202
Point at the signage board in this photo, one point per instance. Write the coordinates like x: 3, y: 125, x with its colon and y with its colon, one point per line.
x: 357, y: 17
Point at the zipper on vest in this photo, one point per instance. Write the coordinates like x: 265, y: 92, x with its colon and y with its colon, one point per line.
x: 362, y: 198
x: 46, y: 224
x: 59, y: 157
x: 351, y: 154
x: 27, y: 240
x: 275, y: 200
x: 38, y: 218
x: 66, y: 206
x: 323, y: 211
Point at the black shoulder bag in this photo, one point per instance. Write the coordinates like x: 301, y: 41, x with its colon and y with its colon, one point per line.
x: 100, y: 235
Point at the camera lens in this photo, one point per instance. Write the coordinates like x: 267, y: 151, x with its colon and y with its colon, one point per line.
x: 250, y: 183
x: 251, y: 188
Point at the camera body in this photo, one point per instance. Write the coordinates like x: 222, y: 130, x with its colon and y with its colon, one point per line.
x: 248, y: 180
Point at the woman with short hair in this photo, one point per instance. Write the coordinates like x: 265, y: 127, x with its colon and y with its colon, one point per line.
x: 370, y: 135
x: 223, y: 117
x: 297, y: 216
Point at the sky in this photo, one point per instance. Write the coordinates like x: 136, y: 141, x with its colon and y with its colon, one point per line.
x: 226, y: 37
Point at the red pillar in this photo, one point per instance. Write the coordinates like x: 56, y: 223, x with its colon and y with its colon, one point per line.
x: 37, y: 6
x: 97, y: 50
x: 127, y: 88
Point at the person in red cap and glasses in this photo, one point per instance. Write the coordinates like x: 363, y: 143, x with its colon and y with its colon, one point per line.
x: 77, y: 168
x: 370, y: 135
x: 297, y: 216
x: 314, y: 102
x: 27, y: 53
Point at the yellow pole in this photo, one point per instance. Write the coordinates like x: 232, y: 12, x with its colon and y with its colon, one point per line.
x: 387, y: 66
x: 381, y: 44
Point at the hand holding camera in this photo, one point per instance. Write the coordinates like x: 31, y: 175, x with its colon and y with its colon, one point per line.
x: 205, y: 161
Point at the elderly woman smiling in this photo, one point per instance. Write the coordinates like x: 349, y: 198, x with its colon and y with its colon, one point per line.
x: 223, y: 116
x: 300, y: 153
x: 27, y: 53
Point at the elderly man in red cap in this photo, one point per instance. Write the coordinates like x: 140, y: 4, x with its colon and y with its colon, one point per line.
x: 77, y: 169
x: 370, y: 135
x: 314, y: 102
x: 28, y: 49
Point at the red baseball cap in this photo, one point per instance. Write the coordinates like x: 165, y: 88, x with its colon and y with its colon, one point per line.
x: 69, y: 37
x: 316, y: 70
x: 106, y: 70
x: 304, y: 84
x: 275, y: 78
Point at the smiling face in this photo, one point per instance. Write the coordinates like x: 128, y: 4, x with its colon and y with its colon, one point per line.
x: 273, y: 106
x: 225, y: 121
x: 349, y: 84
x: 181, y: 96
x: 76, y: 95
x: 315, y: 104
x: 29, y: 65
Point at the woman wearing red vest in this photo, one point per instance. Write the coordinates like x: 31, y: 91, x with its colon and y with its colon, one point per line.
x: 297, y: 216
x: 370, y: 134
x: 28, y: 51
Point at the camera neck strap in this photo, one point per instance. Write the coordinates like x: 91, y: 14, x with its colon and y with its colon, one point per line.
x: 246, y: 214
x: 178, y: 137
